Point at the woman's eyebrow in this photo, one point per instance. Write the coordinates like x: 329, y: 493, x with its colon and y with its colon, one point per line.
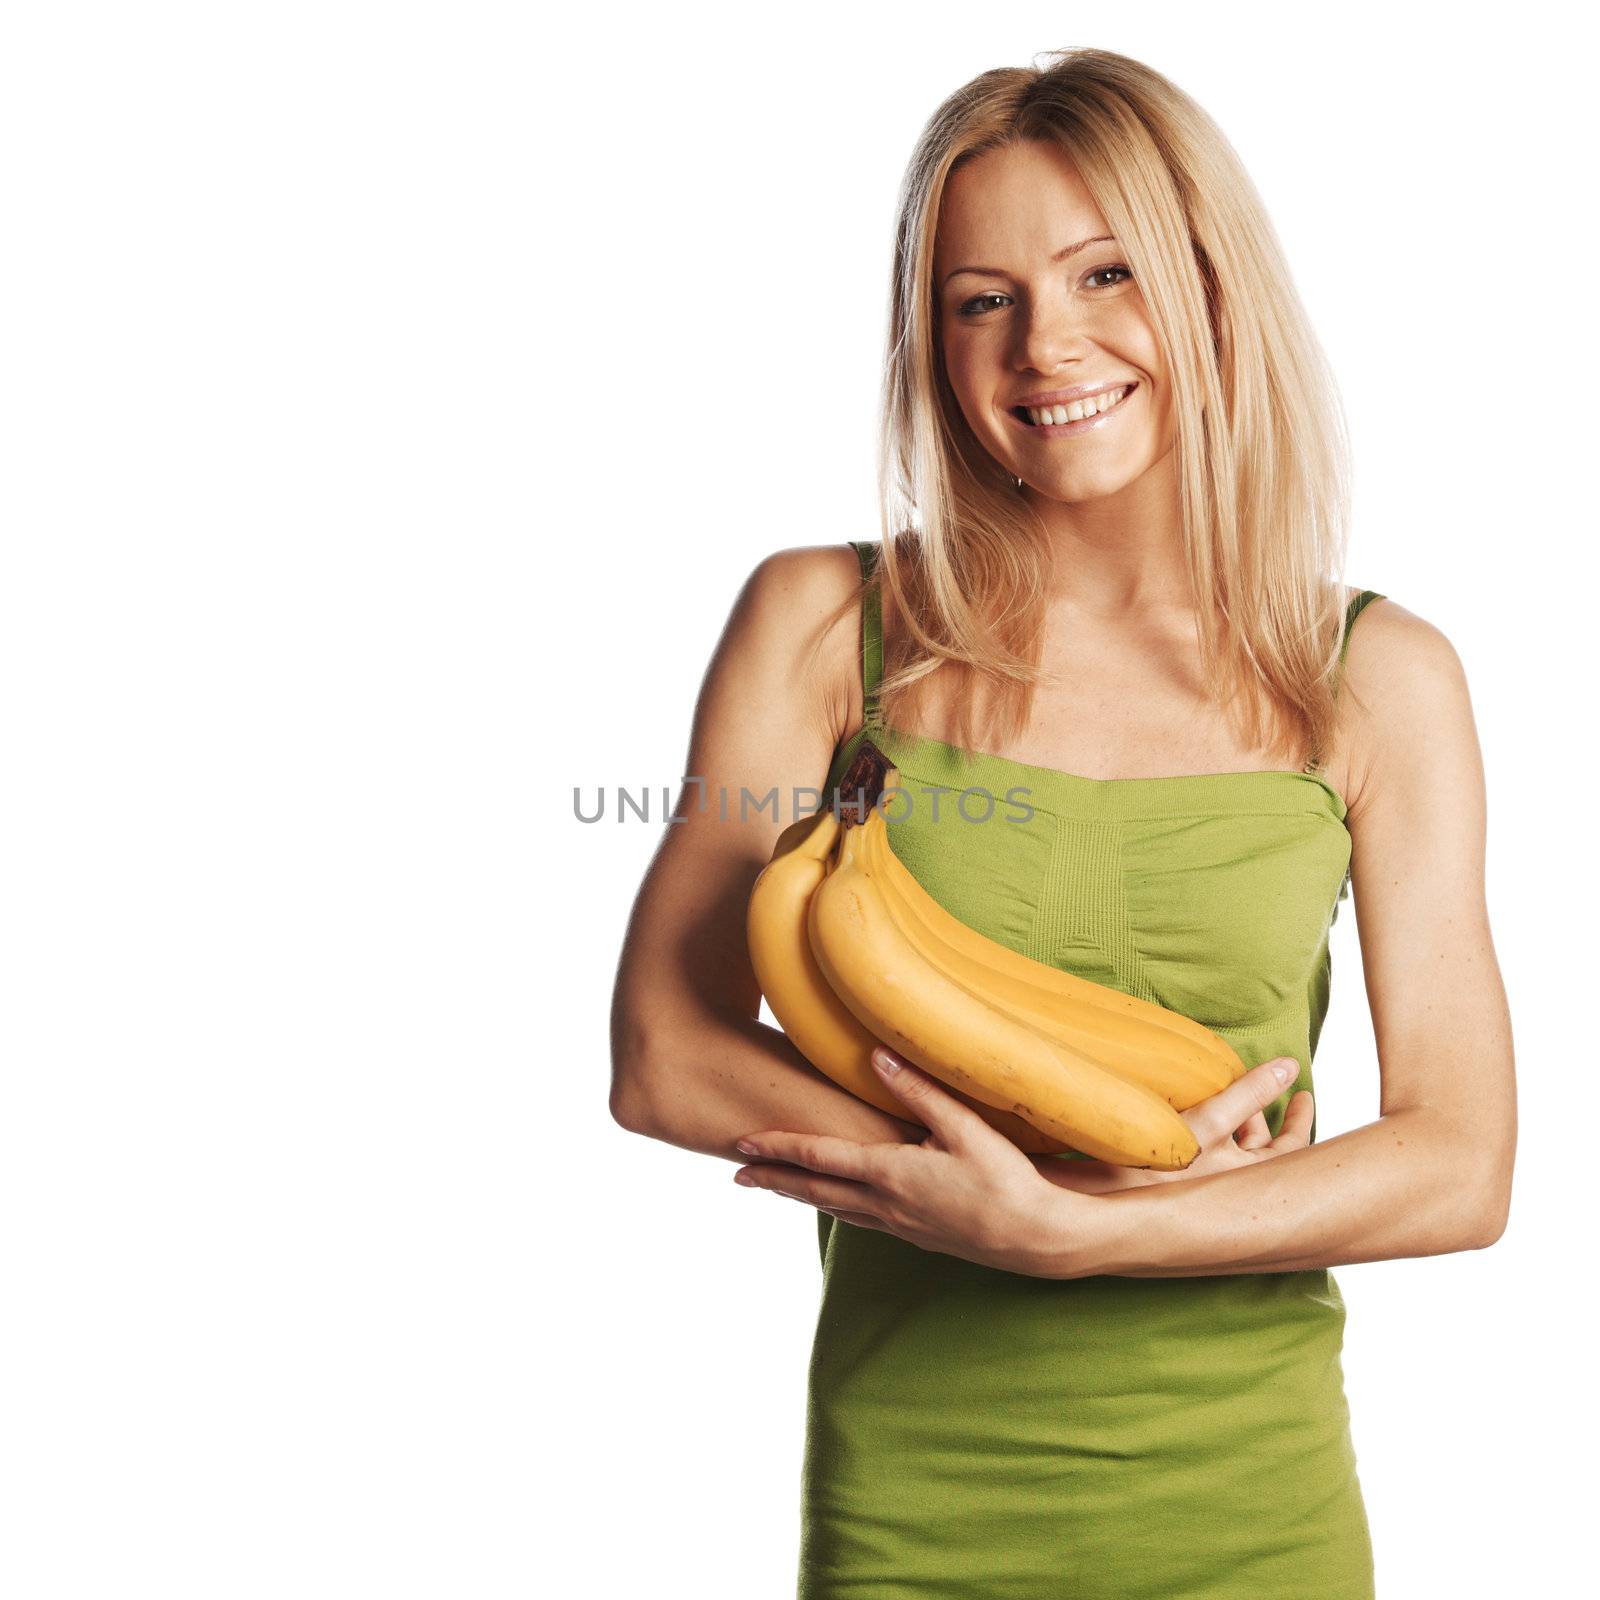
x: 1060, y: 255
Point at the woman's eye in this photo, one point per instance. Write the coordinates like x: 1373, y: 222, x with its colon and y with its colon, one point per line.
x: 980, y: 303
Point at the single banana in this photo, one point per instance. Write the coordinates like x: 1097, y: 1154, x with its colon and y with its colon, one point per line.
x: 819, y: 1025
x: 954, y: 1032
x: 1181, y: 1060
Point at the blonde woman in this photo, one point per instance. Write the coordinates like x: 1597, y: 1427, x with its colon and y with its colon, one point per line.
x: 1108, y: 594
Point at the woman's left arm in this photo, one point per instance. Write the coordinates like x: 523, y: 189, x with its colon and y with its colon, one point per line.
x: 1433, y: 1173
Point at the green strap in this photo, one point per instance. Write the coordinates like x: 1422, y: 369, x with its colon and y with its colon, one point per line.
x: 871, y: 632
x: 1358, y: 604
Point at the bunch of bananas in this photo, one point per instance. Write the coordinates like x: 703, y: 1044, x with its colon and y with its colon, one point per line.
x: 852, y: 952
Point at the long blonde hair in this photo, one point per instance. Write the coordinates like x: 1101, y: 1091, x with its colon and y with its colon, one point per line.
x: 1260, y: 439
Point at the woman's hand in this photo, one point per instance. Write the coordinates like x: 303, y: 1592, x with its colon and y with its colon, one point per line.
x: 1229, y: 1126
x: 966, y: 1190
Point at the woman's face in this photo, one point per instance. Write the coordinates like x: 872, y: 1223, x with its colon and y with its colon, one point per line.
x: 1021, y: 320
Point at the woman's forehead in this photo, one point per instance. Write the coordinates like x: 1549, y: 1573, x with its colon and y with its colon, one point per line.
x: 1026, y: 199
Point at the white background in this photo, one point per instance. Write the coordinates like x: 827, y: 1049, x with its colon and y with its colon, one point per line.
x: 395, y: 398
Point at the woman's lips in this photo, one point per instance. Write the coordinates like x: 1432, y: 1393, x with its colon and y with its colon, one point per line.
x: 1060, y: 430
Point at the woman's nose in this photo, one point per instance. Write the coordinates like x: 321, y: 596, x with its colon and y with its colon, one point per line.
x: 1051, y: 333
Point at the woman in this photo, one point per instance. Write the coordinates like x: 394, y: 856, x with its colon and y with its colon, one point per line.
x: 1034, y: 1376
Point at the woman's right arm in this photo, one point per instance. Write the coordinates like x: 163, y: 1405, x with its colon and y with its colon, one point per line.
x: 691, y: 1063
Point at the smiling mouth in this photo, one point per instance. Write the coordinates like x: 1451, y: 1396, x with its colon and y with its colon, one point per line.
x: 1060, y: 416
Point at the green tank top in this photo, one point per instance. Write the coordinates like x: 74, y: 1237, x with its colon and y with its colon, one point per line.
x: 973, y: 1432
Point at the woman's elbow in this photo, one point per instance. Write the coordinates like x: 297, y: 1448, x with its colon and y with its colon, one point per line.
x: 634, y: 1070
x: 1496, y: 1215
x: 1494, y: 1210
x: 627, y: 1109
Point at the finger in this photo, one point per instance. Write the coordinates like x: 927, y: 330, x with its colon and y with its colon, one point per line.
x: 858, y: 1219
x: 1215, y: 1119
x: 1254, y: 1134
x: 931, y: 1100
x: 828, y: 1194
x: 817, y: 1152
x: 1295, y: 1133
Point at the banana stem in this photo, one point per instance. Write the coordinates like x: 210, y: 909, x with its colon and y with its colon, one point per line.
x: 862, y: 785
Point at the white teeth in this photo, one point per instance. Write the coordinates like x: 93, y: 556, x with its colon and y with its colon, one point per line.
x: 1079, y: 409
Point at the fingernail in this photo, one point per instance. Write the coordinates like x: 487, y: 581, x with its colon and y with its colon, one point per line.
x: 748, y: 1148
x: 1285, y: 1070
x: 885, y: 1062
x: 744, y: 1178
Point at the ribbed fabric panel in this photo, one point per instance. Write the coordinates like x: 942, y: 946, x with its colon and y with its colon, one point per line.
x: 1082, y: 903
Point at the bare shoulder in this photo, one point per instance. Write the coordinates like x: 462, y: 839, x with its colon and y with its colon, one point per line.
x: 1406, y: 708
x: 812, y: 577
x: 788, y: 617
